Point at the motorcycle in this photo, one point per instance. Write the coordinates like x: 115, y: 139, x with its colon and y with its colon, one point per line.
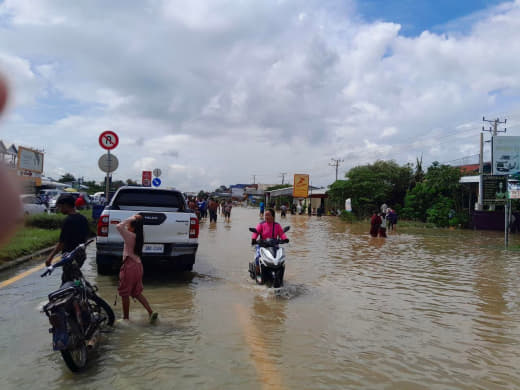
x: 271, y: 258
x: 76, y: 313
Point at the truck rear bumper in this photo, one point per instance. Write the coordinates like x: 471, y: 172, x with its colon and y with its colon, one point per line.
x: 108, y: 253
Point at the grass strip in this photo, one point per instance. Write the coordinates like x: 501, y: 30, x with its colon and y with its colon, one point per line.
x: 27, y: 241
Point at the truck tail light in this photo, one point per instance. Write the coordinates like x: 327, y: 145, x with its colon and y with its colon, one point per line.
x: 102, y: 226
x: 194, y: 227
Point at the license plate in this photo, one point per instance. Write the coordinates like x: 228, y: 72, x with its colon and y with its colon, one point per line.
x: 153, y: 248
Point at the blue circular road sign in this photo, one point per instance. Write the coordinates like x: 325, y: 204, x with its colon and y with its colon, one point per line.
x: 156, y: 182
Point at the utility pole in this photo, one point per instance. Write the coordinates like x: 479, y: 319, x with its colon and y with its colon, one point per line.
x: 283, y: 176
x: 495, y: 123
x: 254, y: 178
x: 335, y: 163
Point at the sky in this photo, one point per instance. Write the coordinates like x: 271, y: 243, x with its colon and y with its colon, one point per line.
x: 234, y: 91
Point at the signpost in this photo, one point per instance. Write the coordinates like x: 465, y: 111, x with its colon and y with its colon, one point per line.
x: 157, y: 172
x: 146, y: 180
x: 108, y: 163
x: 301, y: 186
x: 108, y: 140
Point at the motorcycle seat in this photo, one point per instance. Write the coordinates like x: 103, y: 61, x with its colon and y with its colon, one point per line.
x: 65, y: 289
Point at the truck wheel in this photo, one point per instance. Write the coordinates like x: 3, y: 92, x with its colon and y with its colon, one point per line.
x: 104, y: 269
x: 189, y: 260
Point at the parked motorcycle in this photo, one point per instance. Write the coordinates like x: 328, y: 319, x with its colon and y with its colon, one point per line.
x: 76, y: 313
x: 271, y: 259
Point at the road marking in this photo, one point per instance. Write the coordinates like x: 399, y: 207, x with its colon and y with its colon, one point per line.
x: 7, y: 282
x: 267, y: 372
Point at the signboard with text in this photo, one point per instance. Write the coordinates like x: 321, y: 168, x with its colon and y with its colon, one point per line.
x: 301, y: 185
x: 147, y: 179
x: 495, y: 189
x: 30, y: 160
x: 513, y: 189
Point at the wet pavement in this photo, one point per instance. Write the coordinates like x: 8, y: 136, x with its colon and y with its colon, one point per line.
x: 421, y: 309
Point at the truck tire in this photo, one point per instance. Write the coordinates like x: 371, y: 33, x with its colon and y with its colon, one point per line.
x: 105, y: 265
x: 104, y: 269
x: 189, y: 260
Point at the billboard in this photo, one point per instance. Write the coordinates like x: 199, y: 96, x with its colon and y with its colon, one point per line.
x: 495, y: 189
x: 30, y: 160
x: 505, y: 155
x: 147, y: 179
x: 301, y: 185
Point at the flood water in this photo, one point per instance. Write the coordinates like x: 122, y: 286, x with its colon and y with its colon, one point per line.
x: 421, y: 309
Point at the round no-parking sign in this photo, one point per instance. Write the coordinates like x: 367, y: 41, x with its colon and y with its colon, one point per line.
x: 108, y: 140
x: 156, y: 182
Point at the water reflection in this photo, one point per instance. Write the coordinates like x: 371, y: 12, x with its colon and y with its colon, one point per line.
x: 423, y: 308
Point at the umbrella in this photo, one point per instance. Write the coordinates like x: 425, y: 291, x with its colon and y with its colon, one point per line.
x: 71, y: 189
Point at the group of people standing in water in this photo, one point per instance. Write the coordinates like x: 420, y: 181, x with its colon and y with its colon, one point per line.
x: 383, y: 220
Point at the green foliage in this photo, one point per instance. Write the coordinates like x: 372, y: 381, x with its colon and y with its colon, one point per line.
x: 45, y: 221
x: 54, y: 221
x: 67, y: 178
x: 27, y: 241
x: 348, y: 216
x: 427, y: 200
x: 371, y: 185
x: 439, y: 212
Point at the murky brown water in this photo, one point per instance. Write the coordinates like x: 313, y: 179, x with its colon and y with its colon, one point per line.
x: 422, y: 309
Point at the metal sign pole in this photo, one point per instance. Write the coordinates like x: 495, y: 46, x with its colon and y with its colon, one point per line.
x: 507, y: 206
x: 107, y: 185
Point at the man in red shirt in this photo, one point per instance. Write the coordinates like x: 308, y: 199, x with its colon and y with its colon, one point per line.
x: 80, y: 203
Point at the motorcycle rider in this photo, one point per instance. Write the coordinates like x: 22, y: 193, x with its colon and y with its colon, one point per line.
x: 267, y: 229
x: 74, y: 231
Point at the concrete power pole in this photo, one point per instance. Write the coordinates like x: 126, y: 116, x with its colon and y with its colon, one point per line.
x: 254, y: 178
x: 282, y: 174
x: 335, y: 163
x: 495, y: 123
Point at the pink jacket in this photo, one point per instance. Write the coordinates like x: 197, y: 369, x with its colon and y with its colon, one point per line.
x: 265, y: 230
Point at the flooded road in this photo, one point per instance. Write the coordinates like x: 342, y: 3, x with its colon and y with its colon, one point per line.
x: 422, y: 309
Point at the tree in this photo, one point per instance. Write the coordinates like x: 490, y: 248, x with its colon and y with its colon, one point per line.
x: 371, y: 185
x: 67, y: 178
x: 432, y: 199
x: 338, y: 192
x: 130, y: 182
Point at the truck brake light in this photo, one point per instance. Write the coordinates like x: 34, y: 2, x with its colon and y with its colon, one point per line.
x: 102, y: 226
x: 194, y: 227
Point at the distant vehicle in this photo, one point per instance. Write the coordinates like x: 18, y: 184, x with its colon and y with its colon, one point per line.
x: 506, y: 163
x: 32, y: 205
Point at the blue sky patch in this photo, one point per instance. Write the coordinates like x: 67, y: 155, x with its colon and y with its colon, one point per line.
x: 415, y: 16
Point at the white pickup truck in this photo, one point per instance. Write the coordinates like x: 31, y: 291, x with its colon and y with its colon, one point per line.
x: 171, y: 230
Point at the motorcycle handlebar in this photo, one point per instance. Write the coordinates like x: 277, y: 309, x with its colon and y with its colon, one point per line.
x: 66, y: 258
x: 48, y: 271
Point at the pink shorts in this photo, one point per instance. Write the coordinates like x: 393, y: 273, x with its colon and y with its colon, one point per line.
x: 130, y: 278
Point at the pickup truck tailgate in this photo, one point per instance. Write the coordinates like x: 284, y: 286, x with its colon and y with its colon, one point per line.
x: 159, y: 227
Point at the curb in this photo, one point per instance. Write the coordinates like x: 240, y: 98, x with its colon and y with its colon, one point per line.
x: 23, y: 259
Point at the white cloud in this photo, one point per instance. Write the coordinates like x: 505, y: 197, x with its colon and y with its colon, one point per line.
x: 215, y: 92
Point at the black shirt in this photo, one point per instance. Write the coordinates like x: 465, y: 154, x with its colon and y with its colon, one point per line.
x: 74, y: 231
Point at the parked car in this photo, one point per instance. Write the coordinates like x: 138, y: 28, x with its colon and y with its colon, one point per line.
x: 32, y: 204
